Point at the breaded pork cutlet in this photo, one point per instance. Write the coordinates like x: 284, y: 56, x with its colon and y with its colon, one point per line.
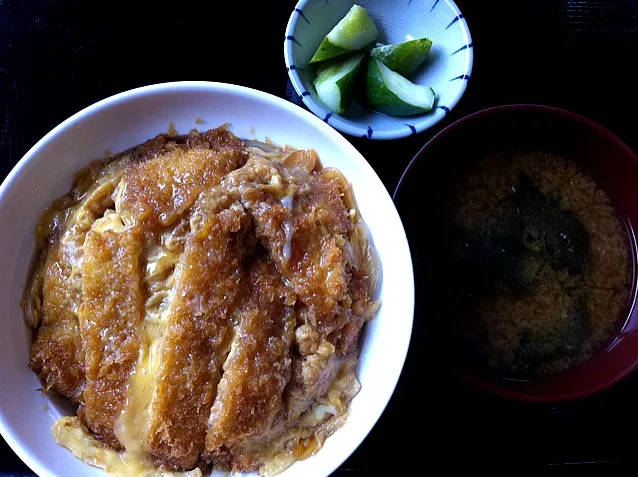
x: 201, y: 301
x: 249, y: 396
x: 198, y: 332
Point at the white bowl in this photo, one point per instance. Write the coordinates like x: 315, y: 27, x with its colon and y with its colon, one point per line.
x: 123, y: 121
x: 447, y: 69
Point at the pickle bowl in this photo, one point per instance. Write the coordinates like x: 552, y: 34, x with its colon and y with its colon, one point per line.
x: 447, y: 69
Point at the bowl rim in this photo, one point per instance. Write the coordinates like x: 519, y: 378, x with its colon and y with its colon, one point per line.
x: 585, y: 391
x: 504, y: 108
x: 362, y: 130
x: 23, y: 451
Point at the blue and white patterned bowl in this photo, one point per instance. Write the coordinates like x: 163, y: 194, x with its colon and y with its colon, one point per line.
x: 447, y: 69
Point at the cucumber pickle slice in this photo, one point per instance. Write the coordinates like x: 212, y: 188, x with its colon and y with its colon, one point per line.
x: 335, y: 81
x: 390, y: 93
x: 353, y: 32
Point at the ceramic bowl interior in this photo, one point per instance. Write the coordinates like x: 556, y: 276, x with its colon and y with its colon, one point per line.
x: 447, y: 69
x: 123, y: 121
x: 612, y: 165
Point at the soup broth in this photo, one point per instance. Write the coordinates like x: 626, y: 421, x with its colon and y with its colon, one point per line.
x: 536, y: 264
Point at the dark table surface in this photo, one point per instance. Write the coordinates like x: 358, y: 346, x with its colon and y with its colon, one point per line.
x: 58, y: 56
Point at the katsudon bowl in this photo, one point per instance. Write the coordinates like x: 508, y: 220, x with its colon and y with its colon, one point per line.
x: 126, y: 120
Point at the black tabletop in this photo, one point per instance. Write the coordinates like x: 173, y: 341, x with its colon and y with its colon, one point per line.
x: 58, y: 56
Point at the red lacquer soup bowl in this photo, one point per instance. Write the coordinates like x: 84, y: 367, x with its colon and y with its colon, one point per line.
x: 419, y: 198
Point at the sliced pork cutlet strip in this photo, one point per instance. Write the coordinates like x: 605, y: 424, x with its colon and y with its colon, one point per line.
x: 307, y: 221
x: 319, y: 266
x: 198, y: 331
x: 303, y: 221
x: 110, y: 315
x: 169, y: 176
x: 332, y: 284
x: 56, y: 355
x: 249, y: 395
x: 55, y: 290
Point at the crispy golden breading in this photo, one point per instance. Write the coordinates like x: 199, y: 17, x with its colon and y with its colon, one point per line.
x: 256, y: 371
x: 57, y: 355
x: 199, y: 332
x: 157, y: 191
x: 110, y: 315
